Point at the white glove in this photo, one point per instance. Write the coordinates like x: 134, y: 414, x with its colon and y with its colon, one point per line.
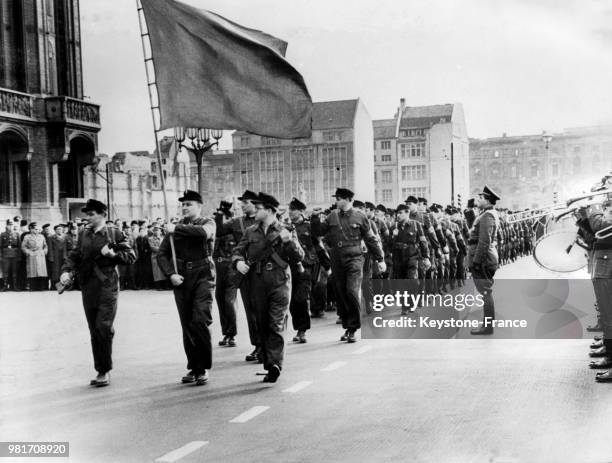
x: 176, y: 279
x: 382, y: 266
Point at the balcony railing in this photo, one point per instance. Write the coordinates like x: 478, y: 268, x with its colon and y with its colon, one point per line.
x: 72, y: 110
x: 16, y: 104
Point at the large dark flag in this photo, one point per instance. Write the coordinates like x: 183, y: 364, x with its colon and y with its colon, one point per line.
x: 214, y: 73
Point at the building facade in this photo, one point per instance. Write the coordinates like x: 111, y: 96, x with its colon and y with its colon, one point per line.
x: 339, y: 154
x: 423, y: 151
x: 48, y: 132
x: 533, y: 170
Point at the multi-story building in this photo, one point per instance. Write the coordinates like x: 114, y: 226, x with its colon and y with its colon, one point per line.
x: 536, y: 170
x: 423, y: 151
x: 48, y: 132
x: 338, y: 154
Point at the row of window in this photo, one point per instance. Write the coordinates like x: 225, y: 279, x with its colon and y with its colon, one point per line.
x: 576, y: 149
x: 418, y: 172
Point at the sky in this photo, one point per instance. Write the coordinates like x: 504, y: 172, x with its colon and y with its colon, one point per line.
x: 517, y: 66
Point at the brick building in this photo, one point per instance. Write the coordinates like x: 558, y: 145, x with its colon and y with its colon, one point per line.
x: 422, y: 151
x: 527, y: 173
x: 48, y: 132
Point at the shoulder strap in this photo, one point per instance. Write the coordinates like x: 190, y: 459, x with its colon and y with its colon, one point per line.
x: 241, y: 221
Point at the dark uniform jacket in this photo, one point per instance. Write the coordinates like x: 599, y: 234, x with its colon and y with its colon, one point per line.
x: 409, y: 241
x: 602, y: 247
x: 344, y: 231
x: 85, y: 258
x: 309, y: 243
x: 193, y: 243
x: 482, y: 244
x: 10, y: 245
x: 236, y: 227
x: 265, y: 250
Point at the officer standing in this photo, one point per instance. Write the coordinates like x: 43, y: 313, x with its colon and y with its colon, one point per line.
x: 193, y: 277
x: 11, y: 254
x: 236, y: 227
x: 344, y: 229
x: 94, y: 260
x: 264, y: 255
x: 599, y: 220
x: 483, y: 259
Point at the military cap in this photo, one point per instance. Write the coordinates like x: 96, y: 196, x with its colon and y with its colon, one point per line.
x: 32, y: 225
x: 17, y: 218
x: 358, y: 203
x: 471, y: 202
x: 450, y: 210
x: 423, y: 201
x: 267, y: 201
x: 369, y: 205
x: 411, y: 199
x: 382, y: 208
x: 134, y: 222
x: 190, y: 195
x: 490, y: 195
x: 344, y: 193
x: 402, y: 207
x: 248, y: 195
x: 9, y: 222
x: 297, y: 205
x: 46, y: 225
x: 95, y: 206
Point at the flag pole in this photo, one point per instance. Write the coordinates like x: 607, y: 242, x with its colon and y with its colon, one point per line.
x: 152, y: 85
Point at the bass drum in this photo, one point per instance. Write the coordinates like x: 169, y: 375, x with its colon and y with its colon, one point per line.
x: 556, y: 249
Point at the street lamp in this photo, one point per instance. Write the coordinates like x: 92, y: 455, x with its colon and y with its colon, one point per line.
x: 200, y: 141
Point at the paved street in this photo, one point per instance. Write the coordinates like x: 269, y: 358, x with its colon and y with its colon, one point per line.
x: 476, y: 400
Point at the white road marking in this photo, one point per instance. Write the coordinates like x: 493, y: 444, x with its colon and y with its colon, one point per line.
x: 177, y: 454
x: 298, y: 387
x: 333, y: 366
x: 363, y: 350
x: 249, y: 414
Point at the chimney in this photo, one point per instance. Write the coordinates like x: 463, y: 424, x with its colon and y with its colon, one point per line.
x: 400, y: 113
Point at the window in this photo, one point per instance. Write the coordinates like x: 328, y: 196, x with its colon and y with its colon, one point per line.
x: 334, y: 161
x: 534, y: 151
x: 268, y: 141
x: 271, y: 173
x: 374, y: 177
x: 153, y: 167
x: 413, y: 150
x: 496, y: 154
x: 535, y: 169
x: 246, y: 165
x: 387, y: 196
x: 577, y: 149
x: 403, y: 133
x: 385, y: 158
x: 333, y: 136
x: 385, y: 145
x: 413, y: 172
x: 495, y: 170
x: 244, y: 142
x: 555, y: 169
x: 304, y: 173
x: 419, y: 192
x: 154, y: 181
x: 386, y: 176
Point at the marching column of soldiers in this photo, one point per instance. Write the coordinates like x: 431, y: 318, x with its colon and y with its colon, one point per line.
x: 303, y: 264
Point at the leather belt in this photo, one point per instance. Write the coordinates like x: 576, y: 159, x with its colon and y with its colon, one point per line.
x: 190, y: 265
x: 346, y: 244
x: 223, y: 259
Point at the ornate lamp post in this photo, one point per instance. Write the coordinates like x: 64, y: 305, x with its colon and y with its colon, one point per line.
x: 200, y: 141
